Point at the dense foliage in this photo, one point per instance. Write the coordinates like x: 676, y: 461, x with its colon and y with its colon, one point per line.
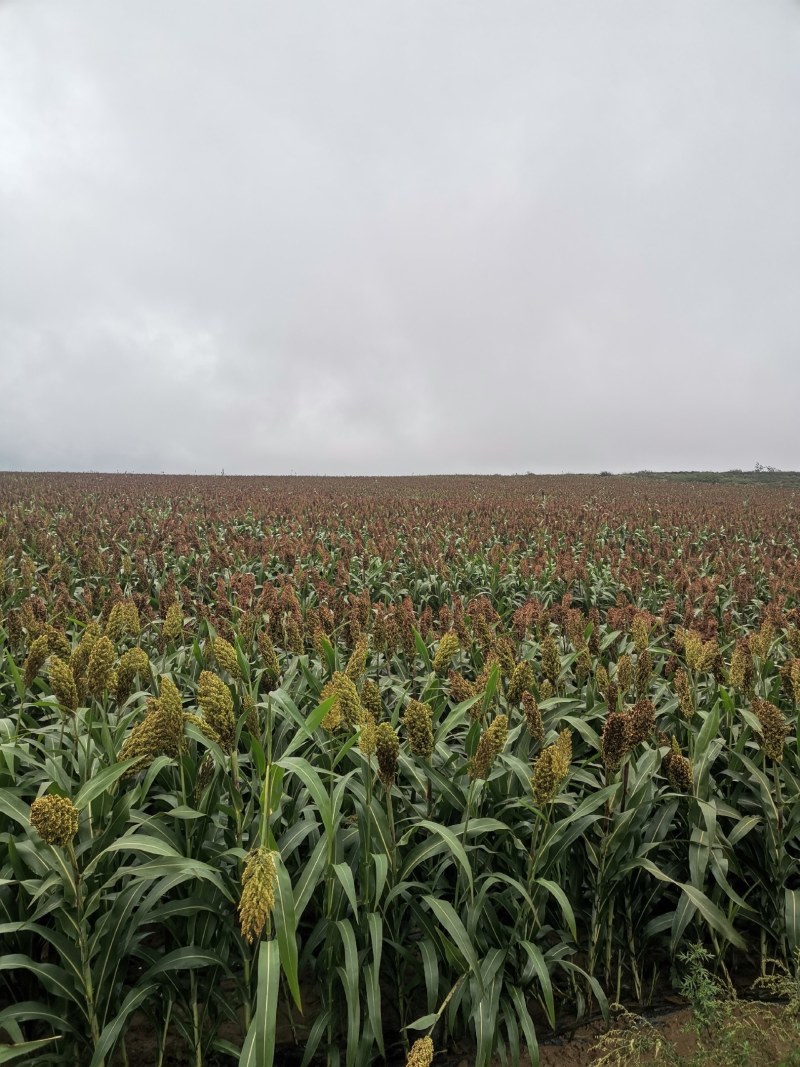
x: 359, y: 761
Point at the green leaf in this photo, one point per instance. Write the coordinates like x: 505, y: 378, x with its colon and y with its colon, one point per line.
x: 12, y: 1052
x: 98, y: 783
x: 286, y: 931
x: 447, y: 917
x: 259, y: 1044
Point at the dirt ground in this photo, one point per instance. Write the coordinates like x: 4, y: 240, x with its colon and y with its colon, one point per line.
x: 572, y: 1050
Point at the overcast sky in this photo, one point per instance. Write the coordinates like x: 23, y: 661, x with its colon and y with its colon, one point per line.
x: 397, y: 237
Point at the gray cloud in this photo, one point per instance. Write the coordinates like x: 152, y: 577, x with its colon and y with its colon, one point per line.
x: 399, y: 237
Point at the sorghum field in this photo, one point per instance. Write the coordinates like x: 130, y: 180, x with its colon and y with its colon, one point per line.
x: 372, y: 768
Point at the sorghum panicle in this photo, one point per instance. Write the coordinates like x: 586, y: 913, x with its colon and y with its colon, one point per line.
x: 418, y: 723
x: 774, y: 728
x: 490, y: 745
x: 533, y: 717
x: 387, y: 749
x: 55, y: 819
x: 214, y: 697
x: 448, y: 647
x: 225, y: 655
x: 99, y: 673
x: 62, y: 682
x: 420, y: 1053
x: 259, y: 879
x: 616, y: 739
x: 522, y: 681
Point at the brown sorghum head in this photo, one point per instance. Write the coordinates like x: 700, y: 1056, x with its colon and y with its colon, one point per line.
x: 642, y: 721
x: 616, y: 740
x: 460, y: 688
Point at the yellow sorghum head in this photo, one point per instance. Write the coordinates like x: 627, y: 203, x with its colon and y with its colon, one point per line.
x: 357, y: 663
x: 348, y: 701
x: 101, y: 665
x: 79, y: 660
x: 710, y: 655
x: 259, y: 879
x: 131, y: 663
x: 793, y: 637
x: 269, y: 661
x: 491, y: 744
x: 774, y: 728
x: 760, y: 641
x: 170, y: 698
x: 794, y: 675
x: 545, y: 690
x: 616, y: 740
x: 504, y: 650
x: 551, y: 661
x: 366, y: 738
x: 583, y: 664
x: 35, y: 660
x: 249, y: 706
x: 641, y: 721
x: 683, y: 688
x: 225, y: 655
x: 215, y: 699
x: 333, y: 717
x: 551, y: 767
x: 123, y: 621
x: 371, y: 699
x: 205, y: 773
x: 740, y: 675
x: 292, y: 635
x: 57, y: 642
x: 563, y: 747
x: 62, y: 682
x: 387, y: 749
x: 522, y: 681
x: 533, y: 717
x: 448, y: 647
x: 460, y: 688
x: 640, y: 631
x: 421, y: 1053
x: 693, y: 649
x: 173, y: 623
x: 644, y: 671
x: 418, y: 723
x: 55, y: 819
x: 625, y: 673
x: 602, y: 680
x: 160, y: 733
